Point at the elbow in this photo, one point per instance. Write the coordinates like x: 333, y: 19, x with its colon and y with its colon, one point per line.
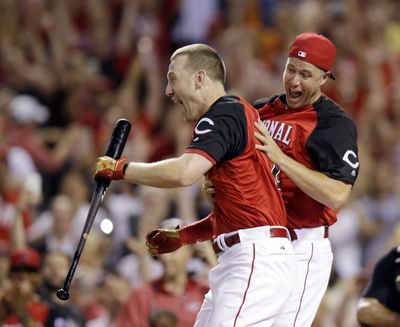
x: 337, y: 202
x: 185, y: 179
x: 189, y: 168
x: 367, y: 310
x: 361, y: 316
x: 338, y: 199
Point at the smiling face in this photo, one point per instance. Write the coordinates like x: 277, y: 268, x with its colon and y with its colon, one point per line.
x: 182, y: 88
x: 302, y: 82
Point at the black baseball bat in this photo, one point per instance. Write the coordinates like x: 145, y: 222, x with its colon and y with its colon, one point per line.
x: 114, y: 150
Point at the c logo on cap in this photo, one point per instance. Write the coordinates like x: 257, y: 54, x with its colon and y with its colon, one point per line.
x: 302, y: 54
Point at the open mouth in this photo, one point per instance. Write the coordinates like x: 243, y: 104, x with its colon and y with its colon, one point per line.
x: 295, y: 94
x: 177, y: 101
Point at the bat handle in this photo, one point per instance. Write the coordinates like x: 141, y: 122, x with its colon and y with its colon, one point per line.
x: 62, y: 293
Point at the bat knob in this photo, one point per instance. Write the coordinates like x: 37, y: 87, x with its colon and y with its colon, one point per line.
x: 62, y: 294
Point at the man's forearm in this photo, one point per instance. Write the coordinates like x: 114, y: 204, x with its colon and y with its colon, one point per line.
x: 328, y: 191
x: 374, y: 314
x: 176, y: 172
x: 198, y: 231
x: 164, y: 174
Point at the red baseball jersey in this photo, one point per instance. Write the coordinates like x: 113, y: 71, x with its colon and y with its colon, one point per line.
x: 246, y: 192
x: 320, y: 136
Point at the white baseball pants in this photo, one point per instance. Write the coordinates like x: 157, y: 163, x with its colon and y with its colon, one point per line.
x: 314, y: 259
x: 251, y: 283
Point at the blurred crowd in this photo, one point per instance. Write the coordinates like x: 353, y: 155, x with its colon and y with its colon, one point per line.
x: 70, y: 69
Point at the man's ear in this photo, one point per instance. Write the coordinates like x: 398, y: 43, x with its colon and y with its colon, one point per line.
x: 324, y: 78
x: 200, y: 78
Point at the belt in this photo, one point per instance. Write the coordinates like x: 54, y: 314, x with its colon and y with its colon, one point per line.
x: 293, y: 234
x: 233, y: 239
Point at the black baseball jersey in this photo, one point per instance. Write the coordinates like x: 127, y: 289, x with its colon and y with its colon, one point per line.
x: 320, y: 136
x: 246, y: 193
x: 382, y: 285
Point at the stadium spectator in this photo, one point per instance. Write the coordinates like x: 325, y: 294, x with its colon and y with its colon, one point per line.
x: 379, y: 305
x: 175, y: 292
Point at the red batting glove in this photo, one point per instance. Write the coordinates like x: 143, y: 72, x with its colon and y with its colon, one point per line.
x: 161, y: 241
x: 109, y: 168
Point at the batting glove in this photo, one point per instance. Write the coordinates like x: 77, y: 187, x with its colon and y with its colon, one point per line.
x: 161, y: 241
x: 109, y: 168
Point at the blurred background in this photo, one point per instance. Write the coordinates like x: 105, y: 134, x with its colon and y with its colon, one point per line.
x: 70, y: 69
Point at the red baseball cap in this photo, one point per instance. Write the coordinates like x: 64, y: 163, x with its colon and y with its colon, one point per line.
x: 25, y: 258
x: 314, y: 48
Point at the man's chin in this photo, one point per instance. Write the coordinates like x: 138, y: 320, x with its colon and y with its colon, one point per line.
x: 294, y: 103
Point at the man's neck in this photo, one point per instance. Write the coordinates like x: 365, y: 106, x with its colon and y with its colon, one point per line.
x: 212, y: 94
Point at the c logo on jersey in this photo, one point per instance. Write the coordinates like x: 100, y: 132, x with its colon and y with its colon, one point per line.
x: 203, y: 131
x: 346, y: 158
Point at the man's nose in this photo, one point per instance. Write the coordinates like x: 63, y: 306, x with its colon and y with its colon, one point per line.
x: 168, y: 90
x: 295, y: 80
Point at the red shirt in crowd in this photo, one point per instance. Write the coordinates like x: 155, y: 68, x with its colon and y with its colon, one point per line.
x: 149, y: 298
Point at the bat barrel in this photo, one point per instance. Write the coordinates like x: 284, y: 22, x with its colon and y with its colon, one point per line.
x: 117, y: 143
x: 118, y: 139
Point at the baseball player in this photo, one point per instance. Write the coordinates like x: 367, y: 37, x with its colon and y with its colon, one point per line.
x: 379, y: 305
x: 256, y: 265
x: 313, y: 144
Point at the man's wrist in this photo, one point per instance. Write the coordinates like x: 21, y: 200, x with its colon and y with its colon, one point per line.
x: 124, y: 168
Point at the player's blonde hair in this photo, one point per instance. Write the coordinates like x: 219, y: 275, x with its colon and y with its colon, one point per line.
x: 203, y: 57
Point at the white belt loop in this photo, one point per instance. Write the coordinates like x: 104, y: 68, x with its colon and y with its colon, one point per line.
x: 221, y: 242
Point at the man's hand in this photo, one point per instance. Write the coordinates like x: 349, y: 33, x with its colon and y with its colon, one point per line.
x: 268, y: 146
x: 161, y: 241
x: 109, y: 168
x: 208, y: 190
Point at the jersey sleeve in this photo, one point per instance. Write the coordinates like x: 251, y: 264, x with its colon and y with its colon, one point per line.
x: 199, y: 231
x: 220, y: 134
x: 333, y: 148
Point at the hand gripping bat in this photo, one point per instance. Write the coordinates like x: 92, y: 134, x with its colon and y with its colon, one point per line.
x: 114, y: 150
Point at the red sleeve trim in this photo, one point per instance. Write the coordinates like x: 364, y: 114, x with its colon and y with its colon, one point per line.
x: 198, y: 231
x: 202, y: 153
